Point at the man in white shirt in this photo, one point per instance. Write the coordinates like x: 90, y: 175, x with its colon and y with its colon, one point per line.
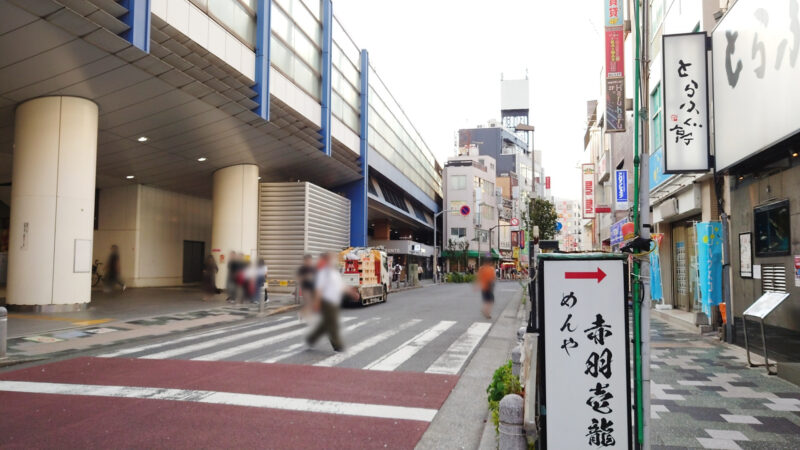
x: 329, y: 289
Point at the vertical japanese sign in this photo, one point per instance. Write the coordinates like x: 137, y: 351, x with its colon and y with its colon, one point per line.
x: 709, y: 264
x: 587, y: 382
x: 587, y: 187
x: 615, y: 65
x: 621, y: 189
x: 686, y: 129
x: 547, y: 182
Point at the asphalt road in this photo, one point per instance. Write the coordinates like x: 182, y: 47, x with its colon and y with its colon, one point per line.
x: 402, y: 360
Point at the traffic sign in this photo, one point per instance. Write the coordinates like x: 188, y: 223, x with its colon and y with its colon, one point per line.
x: 465, y: 210
x: 514, y: 222
x: 559, y: 226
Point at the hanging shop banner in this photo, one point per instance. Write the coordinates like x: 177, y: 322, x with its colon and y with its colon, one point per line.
x: 515, y: 239
x: 615, y: 105
x: 621, y: 189
x: 615, y: 14
x: 547, y: 182
x: 586, y: 353
x: 587, y: 187
x: 615, y: 52
x: 656, y: 287
x: 709, y: 264
x: 686, y: 129
x: 616, y: 232
x: 756, y: 62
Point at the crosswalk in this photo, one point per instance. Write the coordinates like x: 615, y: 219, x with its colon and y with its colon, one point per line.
x: 372, y: 343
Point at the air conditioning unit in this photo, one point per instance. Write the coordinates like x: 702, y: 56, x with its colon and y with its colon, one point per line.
x: 668, y: 208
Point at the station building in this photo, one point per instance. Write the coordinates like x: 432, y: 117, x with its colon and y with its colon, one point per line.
x: 178, y: 129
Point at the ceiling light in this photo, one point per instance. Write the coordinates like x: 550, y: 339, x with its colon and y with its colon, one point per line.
x: 142, y: 139
x: 201, y: 159
x: 130, y: 177
x: 794, y: 155
x: 741, y: 178
x: 259, y: 178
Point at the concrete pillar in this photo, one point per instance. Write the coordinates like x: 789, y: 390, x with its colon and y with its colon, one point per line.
x: 52, y: 203
x: 234, y: 222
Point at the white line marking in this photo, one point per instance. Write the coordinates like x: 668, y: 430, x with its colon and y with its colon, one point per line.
x: 295, y: 349
x: 225, y: 398
x: 363, y: 345
x: 410, y: 348
x: 451, y: 361
x: 255, y: 345
x: 142, y: 348
x: 223, y: 340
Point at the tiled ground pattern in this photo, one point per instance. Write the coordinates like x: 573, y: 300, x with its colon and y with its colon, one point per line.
x: 704, y: 396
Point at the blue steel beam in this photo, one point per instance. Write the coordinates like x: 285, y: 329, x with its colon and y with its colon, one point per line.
x: 138, y: 21
x: 357, y: 190
x: 263, y: 39
x: 327, y: 67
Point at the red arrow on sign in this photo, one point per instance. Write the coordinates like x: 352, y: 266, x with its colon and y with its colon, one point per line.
x: 599, y: 275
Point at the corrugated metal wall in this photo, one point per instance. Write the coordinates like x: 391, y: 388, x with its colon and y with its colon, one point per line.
x: 299, y: 218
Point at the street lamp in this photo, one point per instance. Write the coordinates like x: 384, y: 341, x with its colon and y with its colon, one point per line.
x: 435, y: 245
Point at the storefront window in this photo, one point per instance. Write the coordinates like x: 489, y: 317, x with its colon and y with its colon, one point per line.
x: 772, y: 229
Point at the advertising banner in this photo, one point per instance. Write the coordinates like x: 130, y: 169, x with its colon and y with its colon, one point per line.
x: 587, y: 188
x: 547, y: 182
x: 616, y: 232
x: 709, y: 264
x: 586, y: 362
x: 756, y: 62
x: 621, y: 189
x: 656, y: 287
x: 615, y: 52
x: 614, y: 13
x: 686, y: 124
x: 615, y: 105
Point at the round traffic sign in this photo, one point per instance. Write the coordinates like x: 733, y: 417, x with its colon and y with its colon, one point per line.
x: 514, y: 222
x: 559, y: 226
x: 465, y: 210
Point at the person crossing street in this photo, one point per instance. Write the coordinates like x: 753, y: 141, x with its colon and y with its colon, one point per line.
x: 329, y: 289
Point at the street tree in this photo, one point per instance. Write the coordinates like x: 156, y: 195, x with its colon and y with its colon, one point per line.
x: 541, y: 213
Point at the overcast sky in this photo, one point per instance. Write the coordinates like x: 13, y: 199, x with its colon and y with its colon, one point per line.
x: 442, y: 61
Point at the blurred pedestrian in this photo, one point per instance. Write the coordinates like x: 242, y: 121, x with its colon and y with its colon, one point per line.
x: 256, y: 280
x: 486, y: 280
x: 398, y: 269
x: 210, y: 270
x: 419, y: 273
x: 329, y: 290
x: 113, y: 271
x: 305, y: 282
x: 231, y: 285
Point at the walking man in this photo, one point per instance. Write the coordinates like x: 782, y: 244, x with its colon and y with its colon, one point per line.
x: 113, y: 272
x: 486, y: 280
x: 305, y: 282
x: 233, y: 271
x: 329, y: 289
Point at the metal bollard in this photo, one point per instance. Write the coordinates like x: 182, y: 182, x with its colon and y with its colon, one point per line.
x: 512, y: 436
x: 3, y: 331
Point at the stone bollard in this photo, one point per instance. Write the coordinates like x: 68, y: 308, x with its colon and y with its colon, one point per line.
x: 512, y: 436
x: 521, y: 333
x: 516, y: 360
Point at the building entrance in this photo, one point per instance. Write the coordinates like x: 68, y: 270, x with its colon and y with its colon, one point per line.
x: 193, y: 255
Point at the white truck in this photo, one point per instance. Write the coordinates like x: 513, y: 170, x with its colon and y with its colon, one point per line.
x: 366, y: 270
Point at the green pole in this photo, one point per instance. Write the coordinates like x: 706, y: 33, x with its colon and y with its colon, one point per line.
x: 637, y: 295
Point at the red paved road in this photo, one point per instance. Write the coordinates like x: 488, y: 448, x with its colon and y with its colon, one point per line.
x: 69, y: 421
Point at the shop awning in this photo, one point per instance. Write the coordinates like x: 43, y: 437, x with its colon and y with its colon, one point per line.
x: 470, y: 254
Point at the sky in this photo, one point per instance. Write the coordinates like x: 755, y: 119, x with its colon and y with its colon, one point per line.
x: 443, y: 59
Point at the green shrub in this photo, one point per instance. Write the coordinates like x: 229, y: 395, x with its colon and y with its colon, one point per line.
x: 503, y: 383
x: 460, y: 277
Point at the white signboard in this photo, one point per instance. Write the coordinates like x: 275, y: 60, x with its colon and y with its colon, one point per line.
x: 765, y: 304
x: 756, y: 71
x: 586, y: 355
x: 686, y: 129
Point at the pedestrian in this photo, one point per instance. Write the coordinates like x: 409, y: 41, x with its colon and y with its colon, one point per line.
x: 113, y: 271
x: 486, y: 280
x: 257, y: 280
x: 305, y: 282
x: 210, y: 270
x: 398, y: 269
x: 419, y: 273
x: 329, y: 290
x: 233, y: 273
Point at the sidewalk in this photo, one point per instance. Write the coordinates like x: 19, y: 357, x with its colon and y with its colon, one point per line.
x: 120, y: 317
x: 704, y: 396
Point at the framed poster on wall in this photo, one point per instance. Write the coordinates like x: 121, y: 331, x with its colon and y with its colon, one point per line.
x: 746, y: 255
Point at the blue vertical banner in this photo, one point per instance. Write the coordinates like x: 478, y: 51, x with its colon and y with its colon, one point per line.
x: 621, y: 189
x: 326, y: 72
x: 656, y: 285
x: 709, y: 264
x: 263, y: 40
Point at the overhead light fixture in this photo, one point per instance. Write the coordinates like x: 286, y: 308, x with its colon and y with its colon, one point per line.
x: 794, y: 155
x: 201, y: 159
x: 130, y: 177
x: 259, y: 178
x: 142, y: 139
x: 741, y: 178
